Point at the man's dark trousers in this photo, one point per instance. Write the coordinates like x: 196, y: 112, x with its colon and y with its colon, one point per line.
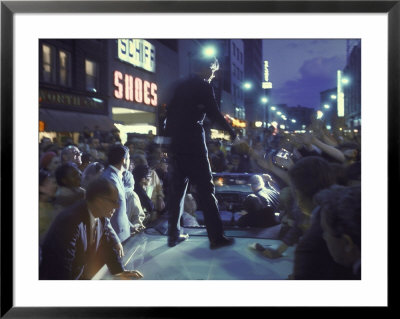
x: 195, y: 168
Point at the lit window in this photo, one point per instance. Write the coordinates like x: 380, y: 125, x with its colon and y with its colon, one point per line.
x: 91, y: 75
x: 65, y: 68
x: 48, y: 64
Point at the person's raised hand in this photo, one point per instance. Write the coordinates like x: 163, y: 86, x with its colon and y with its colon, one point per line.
x: 129, y: 275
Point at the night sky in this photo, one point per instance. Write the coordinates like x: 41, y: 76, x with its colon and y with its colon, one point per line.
x: 300, y: 69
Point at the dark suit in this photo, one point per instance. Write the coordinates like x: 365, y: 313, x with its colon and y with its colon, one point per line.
x: 188, y: 155
x: 66, y: 253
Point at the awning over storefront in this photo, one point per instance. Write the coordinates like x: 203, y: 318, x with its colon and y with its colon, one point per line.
x: 62, y: 121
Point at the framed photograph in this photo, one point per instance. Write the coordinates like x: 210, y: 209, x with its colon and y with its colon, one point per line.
x: 24, y: 26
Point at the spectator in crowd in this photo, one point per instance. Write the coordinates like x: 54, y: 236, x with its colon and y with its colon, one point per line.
x: 72, y: 154
x: 217, y: 157
x: 340, y: 209
x: 96, y: 150
x: 312, y: 258
x: 47, y: 192
x: 50, y: 161
x: 142, y: 177
x: 188, y: 218
x: 69, y: 191
x: 307, y: 176
x: 131, y: 146
x: 93, y: 170
x: 260, y: 206
x: 86, y: 160
x: 193, y: 99
x: 118, y: 160
x: 271, y: 139
x: 81, y: 240
x: 134, y: 208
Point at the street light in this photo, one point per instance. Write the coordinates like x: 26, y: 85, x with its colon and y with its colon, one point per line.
x: 264, y: 100
x: 247, y: 85
x: 209, y: 51
x: 273, y: 108
x: 326, y: 106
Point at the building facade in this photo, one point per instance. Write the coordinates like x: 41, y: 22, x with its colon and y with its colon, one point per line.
x: 72, y: 93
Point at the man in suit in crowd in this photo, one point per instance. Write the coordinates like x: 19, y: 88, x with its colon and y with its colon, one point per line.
x: 81, y: 240
x: 119, y: 160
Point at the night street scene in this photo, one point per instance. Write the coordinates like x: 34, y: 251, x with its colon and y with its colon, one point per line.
x: 199, y: 159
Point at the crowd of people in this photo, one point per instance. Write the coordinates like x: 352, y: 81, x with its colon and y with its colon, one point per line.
x: 312, y: 189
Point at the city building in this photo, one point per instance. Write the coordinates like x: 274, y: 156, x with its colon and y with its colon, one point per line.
x: 72, y: 93
x: 352, y: 86
x: 256, y: 98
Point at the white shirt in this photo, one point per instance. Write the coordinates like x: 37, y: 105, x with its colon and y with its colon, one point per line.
x: 93, y: 222
x: 119, y: 172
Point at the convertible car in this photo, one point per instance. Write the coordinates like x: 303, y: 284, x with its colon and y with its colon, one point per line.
x: 193, y: 260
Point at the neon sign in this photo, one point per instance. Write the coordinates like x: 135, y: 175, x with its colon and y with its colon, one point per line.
x: 266, y: 84
x: 134, y: 89
x: 139, y: 53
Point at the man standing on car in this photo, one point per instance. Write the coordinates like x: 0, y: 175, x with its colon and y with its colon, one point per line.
x: 192, y: 101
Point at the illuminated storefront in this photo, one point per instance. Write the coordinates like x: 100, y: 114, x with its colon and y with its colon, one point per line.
x: 138, y: 74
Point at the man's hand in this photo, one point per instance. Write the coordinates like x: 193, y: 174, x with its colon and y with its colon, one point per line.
x: 272, y: 253
x: 129, y: 275
x: 120, y: 250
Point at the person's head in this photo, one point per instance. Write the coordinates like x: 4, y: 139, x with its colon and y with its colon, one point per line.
x: 141, y: 174
x: 131, y: 146
x: 140, y: 159
x: 341, y: 222
x: 95, y: 143
x: 102, y: 197
x: 47, y: 185
x: 118, y: 156
x: 308, y: 176
x: 202, y: 66
x: 68, y: 175
x: 256, y: 182
x: 92, y: 171
x: 86, y: 160
x: 71, y: 153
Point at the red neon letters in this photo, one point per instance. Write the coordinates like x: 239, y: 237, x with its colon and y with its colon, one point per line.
x: 134, y: 89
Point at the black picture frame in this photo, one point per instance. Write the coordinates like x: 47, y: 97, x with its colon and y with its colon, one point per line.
x: 9, y: 8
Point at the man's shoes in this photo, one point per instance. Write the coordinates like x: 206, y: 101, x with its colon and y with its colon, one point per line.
x: 173, y: 241
x: 223, y: 241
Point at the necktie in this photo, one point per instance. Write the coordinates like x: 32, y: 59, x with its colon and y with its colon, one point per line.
x: 94, y: 233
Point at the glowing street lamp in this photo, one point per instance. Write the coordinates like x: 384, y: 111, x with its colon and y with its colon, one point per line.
x: 319, y: 114
x: 264, y: 100
x: 293, y: 121
x: 326, y: 106
x: 279, y: 113
x: 209, y: 51
x: 247, y: 85
x: 273, y: 108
